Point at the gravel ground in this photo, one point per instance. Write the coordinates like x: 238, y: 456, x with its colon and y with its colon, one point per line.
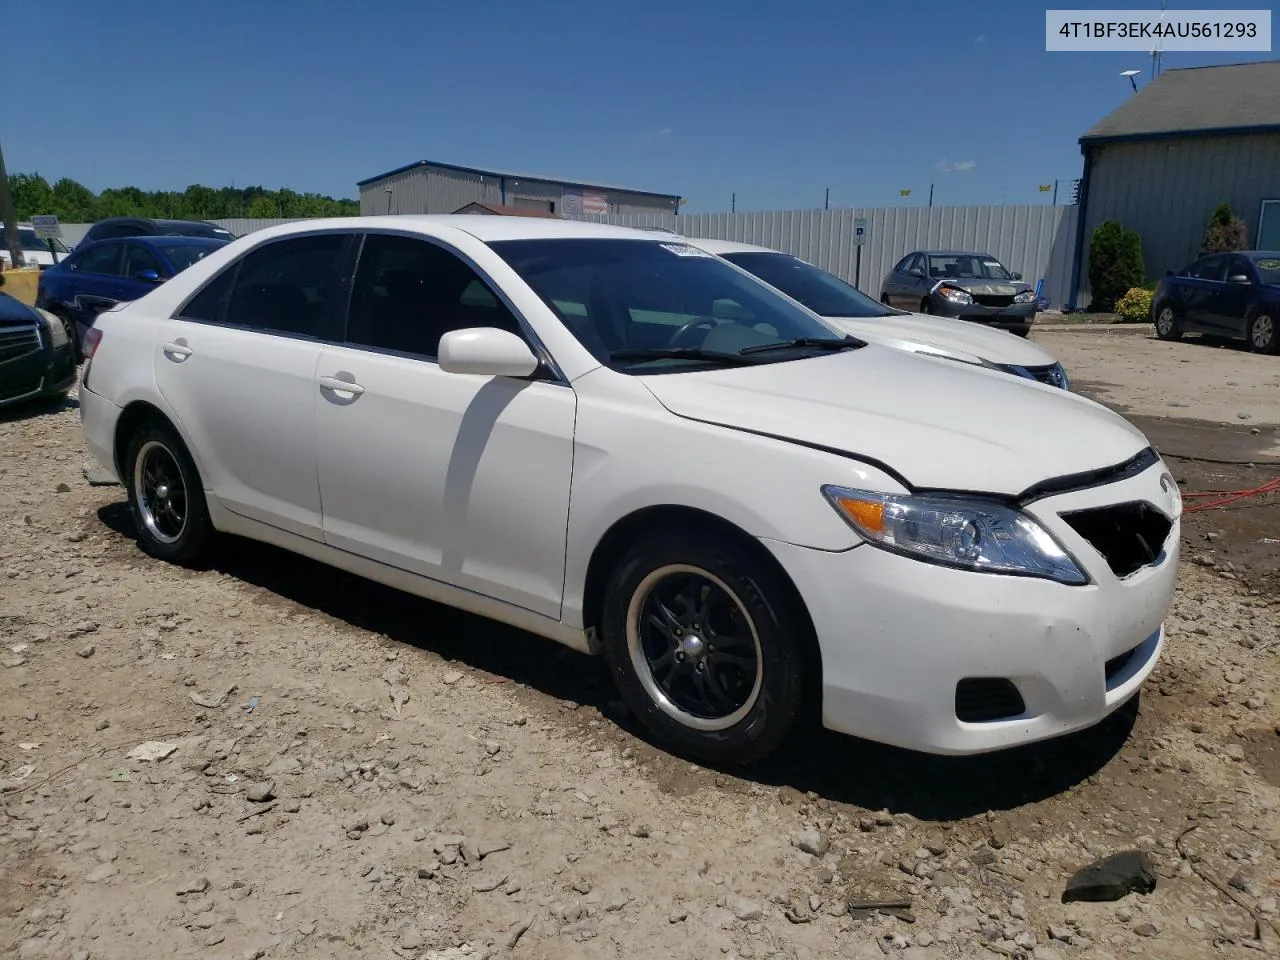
x: 343, y: 770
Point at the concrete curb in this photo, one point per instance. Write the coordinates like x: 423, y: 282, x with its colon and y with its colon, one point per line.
x: 1116, y: 328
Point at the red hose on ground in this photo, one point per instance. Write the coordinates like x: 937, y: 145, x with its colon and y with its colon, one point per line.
x: 1227, y: 496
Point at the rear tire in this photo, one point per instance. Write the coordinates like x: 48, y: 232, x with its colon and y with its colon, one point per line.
x: 1168, y: 323
x: 1263, y: 336
x: 166, y: 497
x: 706, y: 646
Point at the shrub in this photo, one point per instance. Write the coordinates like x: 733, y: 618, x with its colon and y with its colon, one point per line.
x: 1226, y: 232
x: 1115, y: 264
x: 1135, y: 306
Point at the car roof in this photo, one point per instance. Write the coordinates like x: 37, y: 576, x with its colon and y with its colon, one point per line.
x: 484, y: 227
x: 1262, y: 254
x: 719, y: 247
x: 176, y: 240
x: 954, y: 253
x: 160, y: 222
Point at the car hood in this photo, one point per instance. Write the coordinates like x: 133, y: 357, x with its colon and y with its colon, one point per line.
x: 15, y: 313
x: 988, y: 288
x: 938, y: 424
x: 956, y: 338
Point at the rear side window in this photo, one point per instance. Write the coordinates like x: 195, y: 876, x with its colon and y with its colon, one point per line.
x: 210, y: 304
x: 103, y: 259
x: 289, y: 286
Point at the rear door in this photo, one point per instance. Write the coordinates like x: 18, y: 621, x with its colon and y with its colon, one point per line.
x: 237, y: 365
x: 98, y: 280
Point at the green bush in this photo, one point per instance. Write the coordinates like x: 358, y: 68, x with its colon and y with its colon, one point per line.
x: 1115, y: 264
x: 1135, y: 306
x: 1226, y: 232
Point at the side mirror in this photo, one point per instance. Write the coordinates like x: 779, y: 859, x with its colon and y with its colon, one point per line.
x: 916, y: 272
x: 148, y: 276
x: 1238, y: 278
x: 1016, y: 276
x: 486, y: 352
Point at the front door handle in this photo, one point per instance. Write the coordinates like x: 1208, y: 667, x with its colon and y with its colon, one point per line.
x: 177, y: 351
x: 340, y: 386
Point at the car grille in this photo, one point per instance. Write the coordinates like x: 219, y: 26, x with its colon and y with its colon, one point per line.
x: 1116, y: 664
x: 984, y: 699
x: 1129, y: 536
x: 18, y: 343
x: 22, y: 388
x: 992, y: 300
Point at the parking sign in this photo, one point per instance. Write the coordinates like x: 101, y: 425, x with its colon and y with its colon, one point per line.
x: 859, y: 231
x: 46, y: 227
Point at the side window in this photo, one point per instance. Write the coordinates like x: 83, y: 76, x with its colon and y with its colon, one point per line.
x: 1210, y: 268
x: 103, y: 259
x: 904, y: 264
x: 138, y: 258
x: 210, y: 304
x: 408, y: 293
x: 289, y: 286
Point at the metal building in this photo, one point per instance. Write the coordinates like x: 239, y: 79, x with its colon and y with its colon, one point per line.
x: 430, y: 187
x: 1161, y: 163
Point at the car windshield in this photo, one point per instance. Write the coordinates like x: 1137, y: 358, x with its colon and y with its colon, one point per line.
x: 966, y: 266
x: 823, y: 293
x: 183, y: 255
x: 1268, y: 269
x: 634, y: 303
x: 34, y: 244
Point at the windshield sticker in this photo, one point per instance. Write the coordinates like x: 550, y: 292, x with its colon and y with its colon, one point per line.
x: 1268, y: 264
x: 684, y: 250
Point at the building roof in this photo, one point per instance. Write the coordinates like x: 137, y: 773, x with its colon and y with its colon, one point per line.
x: 510, y: 175
x: 498, y: 209
x: 1197, y: 101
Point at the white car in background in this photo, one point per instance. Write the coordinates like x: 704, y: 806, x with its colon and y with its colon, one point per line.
x: 832, y: 298
x: 35, y: 251
x: 625, y: 444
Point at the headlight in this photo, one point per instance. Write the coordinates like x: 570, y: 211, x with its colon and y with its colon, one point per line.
x: 57, y: 332
x: 955, y: 295
x: 1026, y: 296
x: 1060, y: 372
x: 954, y: 531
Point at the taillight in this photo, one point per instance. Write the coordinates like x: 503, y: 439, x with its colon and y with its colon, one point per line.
x: 92, y: 337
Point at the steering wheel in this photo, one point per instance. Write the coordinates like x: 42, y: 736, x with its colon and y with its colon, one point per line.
x: 678, y: 338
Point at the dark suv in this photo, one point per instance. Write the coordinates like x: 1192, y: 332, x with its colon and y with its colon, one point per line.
x: 115, y: 227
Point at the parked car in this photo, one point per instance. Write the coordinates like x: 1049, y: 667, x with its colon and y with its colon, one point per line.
x: 543, y: 422
x: 35, y: 251
x: 113, y: 228
x: 37, y: 361
x: 967, y: 286
x: 856, y: 313
x: 1234, y: 295
x: 106, y: 272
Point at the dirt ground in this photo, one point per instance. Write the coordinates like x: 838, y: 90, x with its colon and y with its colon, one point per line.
x: 350, y: 771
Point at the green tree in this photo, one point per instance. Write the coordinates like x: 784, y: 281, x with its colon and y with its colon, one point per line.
x: 1226, y: 232
x: 32, y: 195
x: 1115, y: 264
x: 263, y: 207
x: 74, y: 202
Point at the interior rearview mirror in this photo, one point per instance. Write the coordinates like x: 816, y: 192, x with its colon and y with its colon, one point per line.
x: 486, y: 352
x: 147, y: 276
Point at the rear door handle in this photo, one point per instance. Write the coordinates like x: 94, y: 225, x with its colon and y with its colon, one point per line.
x: 177, y: 351
x: 340, y: 386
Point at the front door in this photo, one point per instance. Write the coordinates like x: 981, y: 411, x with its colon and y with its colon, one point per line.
x: 1231, y: 304
x: 237, y: 365
x: 463, y: 479
x: 1201, y: 286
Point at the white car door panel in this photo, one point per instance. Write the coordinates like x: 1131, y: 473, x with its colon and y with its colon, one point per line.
x: 246, y: 402
x: 459, y: 478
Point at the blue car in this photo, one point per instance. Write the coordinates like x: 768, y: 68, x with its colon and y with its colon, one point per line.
x: 1235, y: 295
x: 101, y: 274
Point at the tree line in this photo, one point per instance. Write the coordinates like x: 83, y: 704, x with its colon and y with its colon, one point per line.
x: 73, y: 202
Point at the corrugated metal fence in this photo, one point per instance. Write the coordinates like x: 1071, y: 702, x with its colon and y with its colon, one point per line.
x: 1036, y: 241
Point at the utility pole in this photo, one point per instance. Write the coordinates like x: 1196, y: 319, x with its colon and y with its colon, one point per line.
x: 1055, y: 192
x: 10, y: 216
x: 733, y: 203
x: 931, y: 195
x: 826, y: 203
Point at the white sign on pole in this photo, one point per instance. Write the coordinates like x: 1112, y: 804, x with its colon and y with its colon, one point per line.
x: 859, y: 231
x: 47, y: 227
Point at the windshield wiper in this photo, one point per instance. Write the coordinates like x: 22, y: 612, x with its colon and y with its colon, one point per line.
x: 678, y: 353
x: 822, y: 343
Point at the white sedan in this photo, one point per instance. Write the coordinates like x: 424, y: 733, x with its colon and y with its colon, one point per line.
x: 618, y: 441
x: 854, y: 312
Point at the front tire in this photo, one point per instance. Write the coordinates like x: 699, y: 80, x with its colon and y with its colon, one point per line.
x: 1168, y: 323
x: 166, y: 496
x: 1263, y: 336
x: 705, y: 644
x: 926, y: 306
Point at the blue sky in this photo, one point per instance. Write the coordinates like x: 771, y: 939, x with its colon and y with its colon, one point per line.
x: 775, y: 102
